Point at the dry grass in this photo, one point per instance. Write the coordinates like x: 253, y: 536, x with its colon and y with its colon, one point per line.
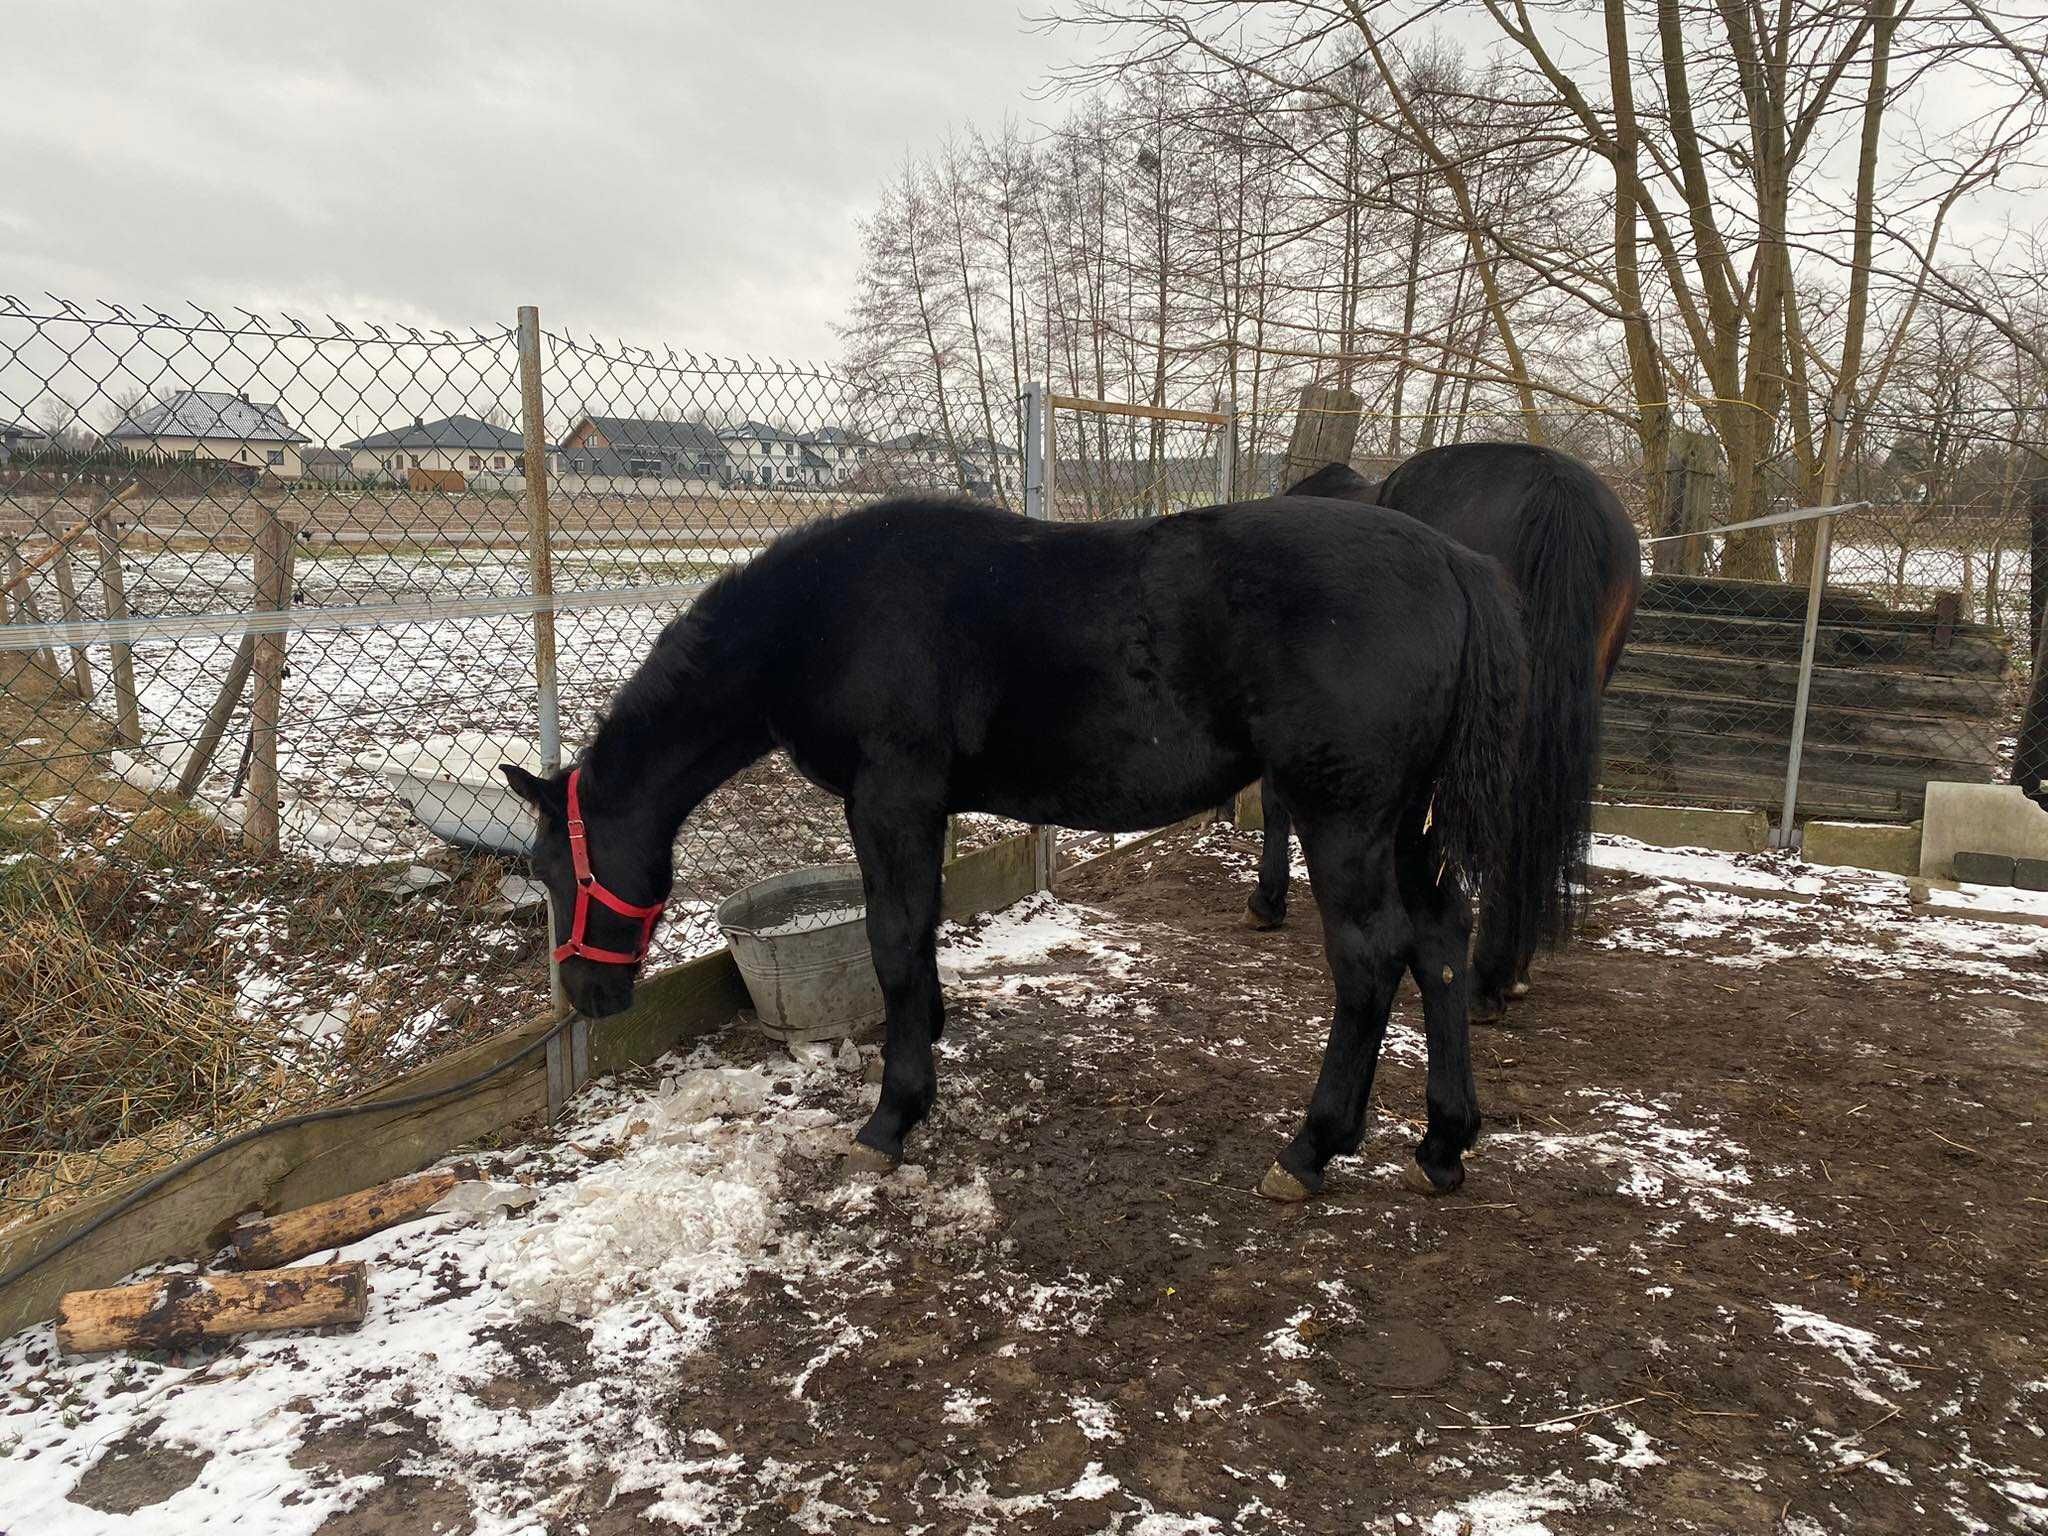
x: 128, y: 1062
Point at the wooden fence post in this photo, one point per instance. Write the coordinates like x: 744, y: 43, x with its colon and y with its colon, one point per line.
x: 1325, y: 431
x: 25, y: 611
x: 208, y: 740
x: 273, y: 549
x: 1692, y: 469
x: 121, y: 654
x: 67, y: 600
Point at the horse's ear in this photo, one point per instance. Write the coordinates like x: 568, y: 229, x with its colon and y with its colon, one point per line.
x: 542, y: 794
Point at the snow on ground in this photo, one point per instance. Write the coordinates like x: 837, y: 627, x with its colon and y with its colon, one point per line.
x: 649, y: 1208
x: 652, y: 1206
x: 1762, y: 907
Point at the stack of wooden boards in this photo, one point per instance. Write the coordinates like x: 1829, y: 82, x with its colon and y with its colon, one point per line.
x: 1701, y: 707
x: 265, y: 1291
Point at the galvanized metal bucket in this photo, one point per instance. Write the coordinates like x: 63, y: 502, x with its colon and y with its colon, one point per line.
x: 801, y: 942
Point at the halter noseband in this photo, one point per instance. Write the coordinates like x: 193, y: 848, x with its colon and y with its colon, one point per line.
x: 587, y: 887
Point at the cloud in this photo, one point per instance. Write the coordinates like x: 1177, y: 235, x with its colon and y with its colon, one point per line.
x: 685, y: 173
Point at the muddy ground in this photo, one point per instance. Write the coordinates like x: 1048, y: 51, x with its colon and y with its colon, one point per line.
x: 1754, y: 1243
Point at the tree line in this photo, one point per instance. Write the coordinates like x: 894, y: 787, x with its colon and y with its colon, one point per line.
x: 1797, y: 237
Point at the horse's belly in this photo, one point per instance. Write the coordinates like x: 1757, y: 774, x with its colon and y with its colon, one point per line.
x: 1122, y: 786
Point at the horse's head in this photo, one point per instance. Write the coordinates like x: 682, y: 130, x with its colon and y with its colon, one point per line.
x: 606, y: 887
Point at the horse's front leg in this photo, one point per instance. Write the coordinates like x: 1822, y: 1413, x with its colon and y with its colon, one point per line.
x: 900, y: 846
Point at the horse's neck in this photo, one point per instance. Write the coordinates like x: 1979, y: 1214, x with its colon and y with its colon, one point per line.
x: 658, y: 769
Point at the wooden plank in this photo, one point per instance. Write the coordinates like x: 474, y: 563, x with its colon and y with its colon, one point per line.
x: 67, y: 598
x: 217, y: 717
x: 991, y: 878
x: 189, y: 1217
x: 669, y: 1010
x: 1951, y: 738
x: 1149, y: 412
x: 264, y: 1242
x: 25, y: 612
x: 1873, y: 647
x: 1652, y: 668
x: 177, y: 1311
x: 1777, y: 600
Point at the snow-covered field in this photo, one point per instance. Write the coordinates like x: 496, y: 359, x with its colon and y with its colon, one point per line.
x: 1685, y: 1289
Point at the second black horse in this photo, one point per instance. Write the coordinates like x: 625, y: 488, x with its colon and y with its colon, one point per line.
x: 919, y: 658
x: 1572, y: 554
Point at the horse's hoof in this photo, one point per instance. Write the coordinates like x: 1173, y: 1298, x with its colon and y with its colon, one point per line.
x: 1415, y: 1177
x: 1279, y: 1184
x: 1487, y: 1008
x: 862, y: 1158
x: 1518, y: 991
x: 1258, y: 922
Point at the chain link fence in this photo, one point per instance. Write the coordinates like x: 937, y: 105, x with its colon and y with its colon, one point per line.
x: 255, y: 853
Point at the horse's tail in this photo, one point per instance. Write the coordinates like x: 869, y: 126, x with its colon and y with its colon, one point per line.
x: 1474, y: 812
x: 1577, y: 586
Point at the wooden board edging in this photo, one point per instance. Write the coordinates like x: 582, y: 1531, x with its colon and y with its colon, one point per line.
x: 188, y: 1218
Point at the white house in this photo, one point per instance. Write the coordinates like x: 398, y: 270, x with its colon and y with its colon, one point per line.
x: 839, y: 452
x: 772, y: 457
x: 211, y: 424
x: 460, y: 445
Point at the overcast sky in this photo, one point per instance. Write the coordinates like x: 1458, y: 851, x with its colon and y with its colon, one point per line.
x: 666, y: 171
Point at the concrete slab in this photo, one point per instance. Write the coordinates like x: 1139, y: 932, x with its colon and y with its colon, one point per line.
x: 1684, y: 826
x: 1983, y: 868
x: 1979, y: 818
x: 1881, y: 845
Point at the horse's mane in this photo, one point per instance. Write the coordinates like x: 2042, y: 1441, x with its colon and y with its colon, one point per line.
x: 703, y: 658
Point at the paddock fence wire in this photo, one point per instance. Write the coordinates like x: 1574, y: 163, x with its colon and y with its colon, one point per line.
x: 268, y: 627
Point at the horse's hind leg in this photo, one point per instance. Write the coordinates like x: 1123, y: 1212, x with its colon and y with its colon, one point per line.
x: 1267, y: 907
x: 1366, y: 938
x: 900, y: 847
x: 1442, y: 924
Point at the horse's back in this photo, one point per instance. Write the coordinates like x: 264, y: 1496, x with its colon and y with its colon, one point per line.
x: 1480, y: 494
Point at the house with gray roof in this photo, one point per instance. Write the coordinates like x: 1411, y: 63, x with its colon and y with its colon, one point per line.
x: 457, y: 445
x: 17, y: 435
x: 214, y: 424
x: 840, y: 451
x: 642, y: 448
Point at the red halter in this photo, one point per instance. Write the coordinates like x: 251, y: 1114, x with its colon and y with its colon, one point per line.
x: 587, y: 886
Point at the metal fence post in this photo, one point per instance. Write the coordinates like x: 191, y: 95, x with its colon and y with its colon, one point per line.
x: 1816, y: 584
x: 1034, y: 452
x: 1226, y: 456
x: 568, y: 1053
x: 1038, y: 503
x: 539, y: 553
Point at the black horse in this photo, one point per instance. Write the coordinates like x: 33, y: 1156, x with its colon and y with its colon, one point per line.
x: 1572, y: 554
x: 917, y: 658
x: 2030, y: 754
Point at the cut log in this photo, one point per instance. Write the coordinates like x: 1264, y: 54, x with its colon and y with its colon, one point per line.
x: 177, y: 1311
x: 263, y: 1242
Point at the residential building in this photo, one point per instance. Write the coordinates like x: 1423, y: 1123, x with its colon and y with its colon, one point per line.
x: 841, y: 452
x: 636, y: 447
x: 212, y: 424
x: 18, y: 435
x: 452, y: 445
